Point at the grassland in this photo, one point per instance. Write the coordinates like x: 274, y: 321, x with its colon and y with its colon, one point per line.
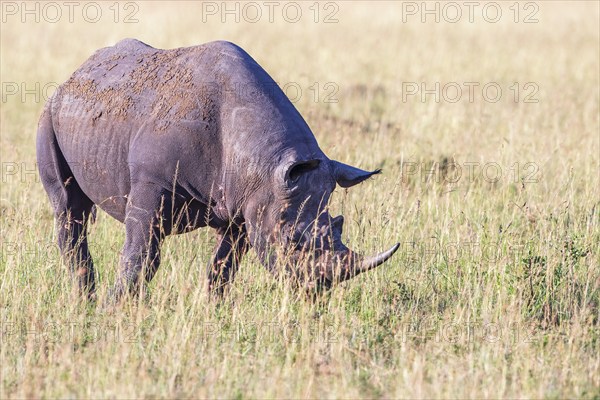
x: 494, y: 293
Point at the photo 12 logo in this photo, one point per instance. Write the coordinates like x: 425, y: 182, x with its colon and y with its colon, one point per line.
x: 70, y: 332
x: 69, y: 11
x: 450, y: 171
x: 460, y: 332
x: 270, y: 11
x: 453, y: 12
x: 316, y: 92
x: 454, y: 92
x: 36, y: 92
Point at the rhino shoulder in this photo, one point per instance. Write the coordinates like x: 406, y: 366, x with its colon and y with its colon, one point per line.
x: 122, y: 49
x: 132, y: 45
x: 223, y: 47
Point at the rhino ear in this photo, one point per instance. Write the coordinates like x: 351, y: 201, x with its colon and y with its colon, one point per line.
x: 347, y: 176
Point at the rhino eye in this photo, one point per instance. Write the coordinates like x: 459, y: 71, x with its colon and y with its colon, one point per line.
x: 298, y: 169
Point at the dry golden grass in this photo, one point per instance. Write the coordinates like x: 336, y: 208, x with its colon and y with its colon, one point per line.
x: 494, y: 293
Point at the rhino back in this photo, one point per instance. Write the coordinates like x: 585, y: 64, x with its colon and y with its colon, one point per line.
x: 132, y: 105
x: 133, y: 112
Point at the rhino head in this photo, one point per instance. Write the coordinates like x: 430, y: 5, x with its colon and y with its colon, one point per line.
x: 290, y: 227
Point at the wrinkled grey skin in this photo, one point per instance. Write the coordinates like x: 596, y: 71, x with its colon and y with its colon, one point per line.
x: 167, y: 141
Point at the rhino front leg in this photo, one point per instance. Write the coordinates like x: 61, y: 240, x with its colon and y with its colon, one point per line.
x: 231, y: 245
x: 145, y: 232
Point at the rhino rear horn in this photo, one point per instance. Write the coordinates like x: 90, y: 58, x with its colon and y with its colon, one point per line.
x: 347, y: 176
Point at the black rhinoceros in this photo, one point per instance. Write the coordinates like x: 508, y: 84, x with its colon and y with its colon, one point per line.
x: 167, y: 141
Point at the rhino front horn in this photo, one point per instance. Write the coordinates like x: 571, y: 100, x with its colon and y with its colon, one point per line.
x: 360, y: 265
x: 372, y: 262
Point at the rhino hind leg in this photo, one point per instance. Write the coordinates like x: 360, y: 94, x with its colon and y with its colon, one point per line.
x: 71, y: 227
x: 71, y: 224
x: 146, y: 226
x: 231, y: 245
x: 71, y: 206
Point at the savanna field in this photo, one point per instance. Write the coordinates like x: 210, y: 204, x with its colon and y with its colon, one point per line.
x: 488, y: 135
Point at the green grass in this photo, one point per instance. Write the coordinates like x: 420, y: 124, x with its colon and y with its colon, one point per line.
x: 495, y: 291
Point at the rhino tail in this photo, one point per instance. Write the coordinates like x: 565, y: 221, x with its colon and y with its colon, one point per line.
x: 93, y: 214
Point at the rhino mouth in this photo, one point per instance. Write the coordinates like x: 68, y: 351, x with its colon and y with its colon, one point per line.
x: 332, y: 267
x: 319, y: 261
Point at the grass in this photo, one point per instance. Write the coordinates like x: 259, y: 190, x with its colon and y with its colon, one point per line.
x: 495, y: 291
